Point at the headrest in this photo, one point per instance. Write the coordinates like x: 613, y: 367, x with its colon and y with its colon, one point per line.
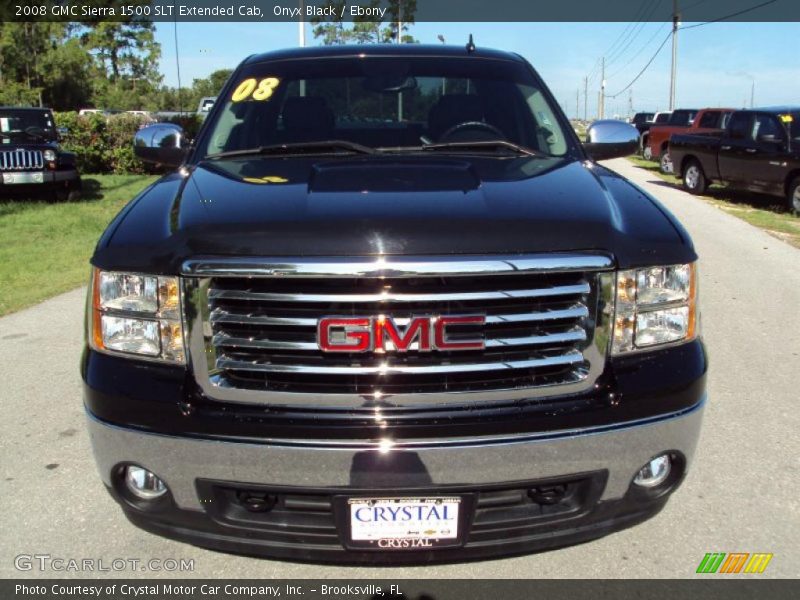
x: 307, y: 113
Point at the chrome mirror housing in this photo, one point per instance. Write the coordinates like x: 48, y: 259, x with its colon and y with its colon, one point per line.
x: 162, y: 143
x: 609, y: 138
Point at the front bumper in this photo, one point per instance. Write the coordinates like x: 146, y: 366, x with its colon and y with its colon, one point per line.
x: 60, y: 179
x: 601, y: 463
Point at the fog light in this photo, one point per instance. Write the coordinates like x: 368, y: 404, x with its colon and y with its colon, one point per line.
x: 144, y: 484
x: 654, y: 472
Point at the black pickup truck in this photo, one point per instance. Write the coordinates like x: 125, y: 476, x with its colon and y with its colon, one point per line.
x: 759, y: 151
x: 31, y: 161
x: 388, y: 308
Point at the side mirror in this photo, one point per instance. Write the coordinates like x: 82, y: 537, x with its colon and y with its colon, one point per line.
x: 162, y: 143
x: 771, y: 138
x: 610, y: 139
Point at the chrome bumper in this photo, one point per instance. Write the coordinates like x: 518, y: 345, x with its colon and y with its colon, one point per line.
x: 621, y: 450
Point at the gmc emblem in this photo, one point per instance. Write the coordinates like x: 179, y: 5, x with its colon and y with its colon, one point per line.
x: 382, y: 334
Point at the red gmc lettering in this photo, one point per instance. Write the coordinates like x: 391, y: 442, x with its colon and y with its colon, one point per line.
x: 357, y: 337
x: 362, y: 334
x: 419, y: 327
x: 441, y: 333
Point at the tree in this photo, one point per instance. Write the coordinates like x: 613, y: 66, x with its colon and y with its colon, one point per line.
x: 74, y: 65
x: 366, y: 30
x: 66, y: 76
x: 211, y: 85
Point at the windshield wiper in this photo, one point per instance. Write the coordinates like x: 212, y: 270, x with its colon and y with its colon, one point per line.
x: 483, y: 145
x: 322, y: 147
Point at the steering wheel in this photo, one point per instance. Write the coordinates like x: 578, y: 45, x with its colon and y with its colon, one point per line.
x: 471, y: 125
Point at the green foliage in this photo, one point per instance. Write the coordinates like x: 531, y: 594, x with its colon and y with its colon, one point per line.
x: 366, y: 30
x: 68, y: 66
x: 190, y: 123
x: 102, y: 145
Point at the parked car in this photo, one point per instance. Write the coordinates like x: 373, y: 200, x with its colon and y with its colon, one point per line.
x: 678, y: 119
x: 707, y: 120
x: 759, y: 151
x: 642, y: 121
x: 660, y: 118
x: 31, y: 159
x: 328, y: 339
x: 205, y: 105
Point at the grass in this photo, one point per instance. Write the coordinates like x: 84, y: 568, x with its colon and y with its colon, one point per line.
x: 45, y: 247
x: 765, y: 212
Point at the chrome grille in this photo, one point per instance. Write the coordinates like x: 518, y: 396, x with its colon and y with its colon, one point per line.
x: 21, y: 160
x: 256, y: 326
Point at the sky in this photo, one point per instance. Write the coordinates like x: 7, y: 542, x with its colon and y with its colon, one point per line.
x: 718, y: 64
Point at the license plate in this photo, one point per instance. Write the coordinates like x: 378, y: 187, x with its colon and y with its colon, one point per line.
x: 23, y: 177
x: 404, y: 523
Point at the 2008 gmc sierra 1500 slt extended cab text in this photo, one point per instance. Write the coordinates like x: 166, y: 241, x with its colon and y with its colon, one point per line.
x: 389, y: 309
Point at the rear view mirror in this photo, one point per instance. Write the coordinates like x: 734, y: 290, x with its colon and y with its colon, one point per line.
x: 610, y: 139
x: 162, y: 143
x: 389, y: 84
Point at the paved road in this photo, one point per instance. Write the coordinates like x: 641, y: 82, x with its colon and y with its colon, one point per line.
x: 742, y: 494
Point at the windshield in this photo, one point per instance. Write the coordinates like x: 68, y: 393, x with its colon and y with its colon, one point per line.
x: 793, y: 122
x: 26, y: 124
x: 388, y: 103
x: 682, y: 118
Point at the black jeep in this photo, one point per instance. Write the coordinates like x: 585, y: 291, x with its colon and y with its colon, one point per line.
x: 31, y: 161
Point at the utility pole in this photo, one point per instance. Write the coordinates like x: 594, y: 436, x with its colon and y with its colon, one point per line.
x: 301, y: 30
x: 301, y: 25
x: 630, y: 102
x: 399, y: 41
x: 674, y: 72
x: 577, y: 104
x: 602, y: 109
x: 586, y: 98
x: 752, y: 92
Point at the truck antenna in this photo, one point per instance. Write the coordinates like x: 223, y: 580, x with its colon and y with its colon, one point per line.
x: 470, y: 45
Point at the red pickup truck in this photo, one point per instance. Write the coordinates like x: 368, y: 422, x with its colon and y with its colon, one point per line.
x: 708, y: 120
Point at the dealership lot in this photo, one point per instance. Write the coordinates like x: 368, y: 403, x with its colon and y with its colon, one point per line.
x: 741, y: 494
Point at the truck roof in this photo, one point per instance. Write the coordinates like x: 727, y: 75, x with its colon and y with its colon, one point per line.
x: 30, y: 108
x: 381, y: 50
x: 776, y: 109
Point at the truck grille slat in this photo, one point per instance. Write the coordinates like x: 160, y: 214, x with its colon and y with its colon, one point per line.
x: 382, y: 297
x: 544, y: 333
x: 21, y: 160
x: 576, y: 311
x: 569, y: 358
x: 575, y: 334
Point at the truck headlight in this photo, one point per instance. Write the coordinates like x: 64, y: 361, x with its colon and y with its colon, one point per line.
x: 136, y: 314
x: 655, y: 306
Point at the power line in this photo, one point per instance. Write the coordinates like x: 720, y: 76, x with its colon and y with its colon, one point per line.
x: 626, y: 38
x: 661, y: 47
x: 649, y: 62
x: 645, y: 19
x: 642, y: 49
x: 635, y: 21
x: 736, y: 14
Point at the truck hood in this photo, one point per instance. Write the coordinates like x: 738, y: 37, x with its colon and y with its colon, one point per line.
x: 390, y: 205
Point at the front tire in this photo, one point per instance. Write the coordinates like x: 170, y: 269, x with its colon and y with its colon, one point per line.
x: 793, y: 197
x: 665, y: 163
x: 647, y: 153
x: 694, y: 179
